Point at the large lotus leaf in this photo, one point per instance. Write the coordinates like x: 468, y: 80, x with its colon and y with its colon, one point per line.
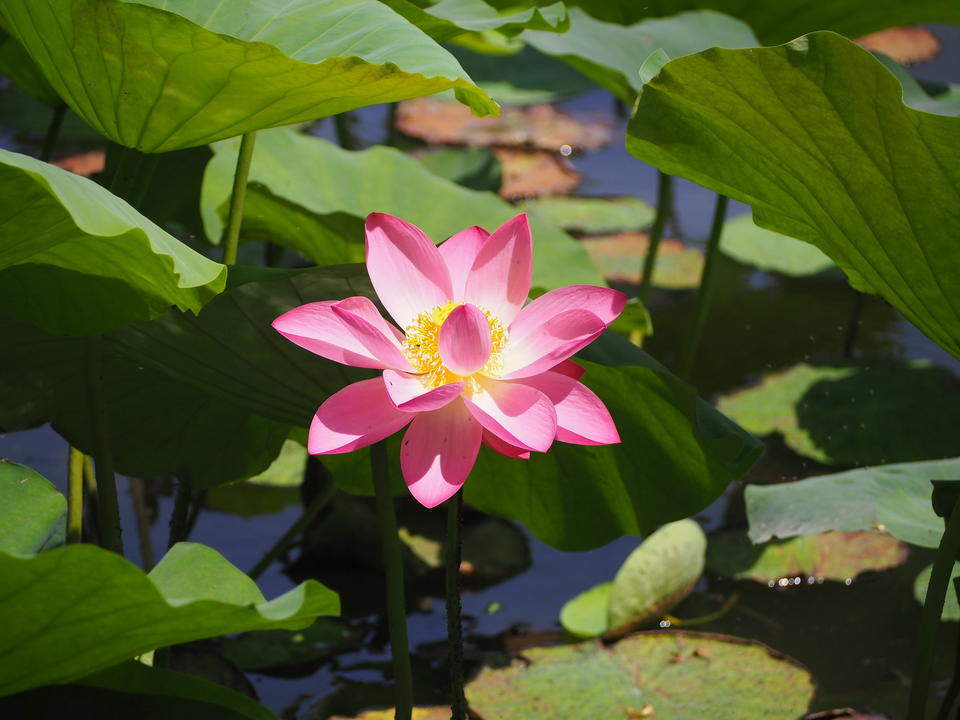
x: 447, y: 19
x: 80, y: 609
x: 311, y: 195
x: 171, y: 74
x: 838, y: 556
x: 778, y: 22
x: 592, y: 215
x: 133, y: 689
x: 611, y: 55
x: 951, y: 606
x: 17, y: 65
x: 670, y: 674
x: 75, y: 259
x: 746, y: 242
x: 895, y: 498
x: 814, y: 136
x: 33, y: 516
x: 855, y: 414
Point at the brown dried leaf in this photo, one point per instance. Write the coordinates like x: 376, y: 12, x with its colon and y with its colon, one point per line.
x: 86, y: 164
x: 529, y: 174
x: 906, y: 45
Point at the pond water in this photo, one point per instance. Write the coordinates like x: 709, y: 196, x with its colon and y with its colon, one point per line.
x: 857, y: 639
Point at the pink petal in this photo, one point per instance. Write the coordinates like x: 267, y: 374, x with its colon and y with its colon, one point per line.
x: 499, y: 278
x: 359, y: 415
x: 344, y: 331
x: 405, y: 268
x: 458, y: 253
x: 517, y: 414
x: 438, y: 452
x: 603, y: 302
x: 582, y: 418
x: 408, y: 393
x: 464, y: 340
x: 504, y: 448
x: 569, y: 368
x: 551, y: 343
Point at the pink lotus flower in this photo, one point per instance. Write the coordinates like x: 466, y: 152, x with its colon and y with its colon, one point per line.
x: 473, y: 365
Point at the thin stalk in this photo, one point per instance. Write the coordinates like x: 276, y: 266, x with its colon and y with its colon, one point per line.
x: 53, y: 132
x: 453, y: 553
x: 141, y: 183
x: 664, y: 208
x: 108, y: 509
x: 930, y: 616
x: 179, y: 516
x: 319, y: 502
x: 393, y: 567
x: 345, y: 138
x: 705, y: 292
x: 90, y: 506
x: 139, y: 496
x: 950, y: 699
x: 75, y: 497
x: 237, y: 197
x: 853, y: 329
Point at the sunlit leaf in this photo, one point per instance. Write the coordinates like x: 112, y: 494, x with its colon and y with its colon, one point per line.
x: 749, y: 244
x: 17, y: 65
x: 815, y: 137
x: 309, y: 194
x: 675, y: 674
x: 33, y: 515
x: 80, y: 609
x: 593, y: 215
x: 585, y: 616
x: 76, y: 259
x: 446, y: 19
x: 620, y: 258
x: 172, y: 74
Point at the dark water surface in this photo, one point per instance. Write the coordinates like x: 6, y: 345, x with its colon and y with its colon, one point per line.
x: 857, y: 640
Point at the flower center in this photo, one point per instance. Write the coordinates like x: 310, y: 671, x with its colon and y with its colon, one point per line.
x: 422, y: 348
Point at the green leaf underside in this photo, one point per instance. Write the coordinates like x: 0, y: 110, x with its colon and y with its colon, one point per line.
x: 855, y: 414
x: 80, y: 609
x: 731, y: 679
x: 172, y: 74
x: 311, y: 195
x: 447, y: 19
x: 32, y: 511
x: 778, y: 22
x: 131, y: 690
x: 749, y: 244
x: 611, y: 55
x: 831, y: 556
x: 17, y: 65
x: 815, y: 137
x: 951, y: 608
x: 76, y: 259
x: 895, y: 497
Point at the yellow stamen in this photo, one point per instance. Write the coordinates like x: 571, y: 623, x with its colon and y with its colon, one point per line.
x: 422, y: 348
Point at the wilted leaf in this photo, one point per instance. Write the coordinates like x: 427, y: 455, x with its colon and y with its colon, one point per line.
x: 529, y: 174
x: 620, y: 259
x: 830, y: 556
x: 906, y: 45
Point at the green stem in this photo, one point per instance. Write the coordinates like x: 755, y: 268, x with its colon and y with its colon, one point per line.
x: 930, y: 615
x: 108, y: 509
x: 138, y: 496
x: 310, y: 512
x: 179, y: 517
x: 53, y: 132
x: 950, y: 699
x: 854, y: 327
x: 345, y: 138
x: 237, y: 197
x: 393, y: 567
x: 75, y: 497
x: 705, y: 292
x: 453, y: 553
x: 664, y: 208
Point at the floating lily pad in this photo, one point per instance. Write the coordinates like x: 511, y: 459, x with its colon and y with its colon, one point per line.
x: 474, y: 168
x: 906, y: 45
x: 951, y: 607
x: 593, y: 215
x: 529, y: 174
x: 431, y: 713
x: 585, y: 616
x: 540, y: 127
x: 620, y: 259
x: 33, y: 513
x: 830, y: 556
x: 750, y: 244
x: 855, y: 414
x: 288, y: 653
x: 680, y: 675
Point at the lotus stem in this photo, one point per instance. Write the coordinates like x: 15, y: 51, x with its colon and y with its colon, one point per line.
x: 75, y: 497
x: 237, y: 198
x: 345, y: 138
x: 179, y: 517
x: 664, y: 210
x: 53, y: 132
x: 108, y: 509
x: 705, y: 292
x: 950, y: 699
x: 319, y: 502
x: 930, y: 615
x: 853, y: 329
x: 138, y: 495
x: 393, y: 567
x: 453, y: 553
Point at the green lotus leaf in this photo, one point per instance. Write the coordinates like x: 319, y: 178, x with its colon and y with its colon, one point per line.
x: 447, y: 19
x: 187, y: 72
x: 585, y: 616
x: 746, y: 242
x: 951, y: 607
x: 81, y: 609
x: 34, y: 513
x: 592, y: 215
x: 17, y: 65
x: 815, y: 136
x: 75, y: 259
